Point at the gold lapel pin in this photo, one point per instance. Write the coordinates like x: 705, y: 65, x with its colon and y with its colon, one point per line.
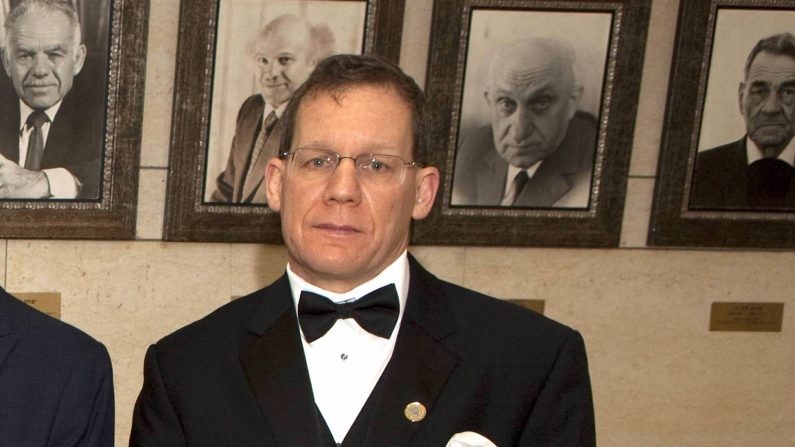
x: 415, y: 412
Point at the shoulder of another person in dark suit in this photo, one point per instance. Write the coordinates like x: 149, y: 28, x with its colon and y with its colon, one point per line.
x: 56, y: 340
x: 501, y: 329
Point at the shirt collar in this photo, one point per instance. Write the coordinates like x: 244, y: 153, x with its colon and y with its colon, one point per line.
x: 269, y: 108
x: 513, y: 170
x: 753, y: 153
x: 397, y: 273
x: 25, y: 110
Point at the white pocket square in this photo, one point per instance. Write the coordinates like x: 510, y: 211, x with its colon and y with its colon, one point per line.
x: 469, y: 439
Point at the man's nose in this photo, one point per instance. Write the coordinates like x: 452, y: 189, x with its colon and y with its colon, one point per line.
x: 343, y: 184
x: 41, y: 66
x: 772, y: 103
x: 271, y: 70
x: 522, y: 125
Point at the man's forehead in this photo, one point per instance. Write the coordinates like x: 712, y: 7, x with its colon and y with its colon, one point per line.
x: 521, y: 67
x: 48, y: 26
x: 771, y: 67
x: 356, y: 98
x: 293, y: 34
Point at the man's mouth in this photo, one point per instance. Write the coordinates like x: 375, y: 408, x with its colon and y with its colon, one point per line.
x: 338, y: 229
x: 38, y: 86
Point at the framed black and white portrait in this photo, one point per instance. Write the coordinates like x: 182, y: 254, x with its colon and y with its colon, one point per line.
x: 70, y: 97
x: 251, y: 56
x: 534, y: 120
x: 726, y: 164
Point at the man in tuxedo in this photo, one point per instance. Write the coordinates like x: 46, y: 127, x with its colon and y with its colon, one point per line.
x: 50, y: 135
x: 286, y: 51
x: 539, y: 149
x: 56, y: 383
x: 756, y: 171
x: 357, y: 344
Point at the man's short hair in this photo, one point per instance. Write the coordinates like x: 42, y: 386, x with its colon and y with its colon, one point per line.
x: 340, y: 73
x: 44, y: 6
x: 321, y: 38
x: 779, y: 44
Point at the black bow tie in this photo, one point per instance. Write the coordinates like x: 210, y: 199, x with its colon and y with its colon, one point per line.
x: 377, y: 312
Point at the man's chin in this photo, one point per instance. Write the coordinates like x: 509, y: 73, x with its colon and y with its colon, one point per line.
x: 771, y: 137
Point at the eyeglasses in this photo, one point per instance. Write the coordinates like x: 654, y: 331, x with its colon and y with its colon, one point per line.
x: 374, y: 169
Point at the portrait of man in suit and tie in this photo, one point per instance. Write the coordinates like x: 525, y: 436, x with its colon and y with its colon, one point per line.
x: 356, y: 344
x: 755, y: 171
x: 286, y: 50
x: 52, y: 125
x: 528, y: 121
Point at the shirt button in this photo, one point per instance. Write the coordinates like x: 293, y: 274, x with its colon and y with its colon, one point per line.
x: 344, y: 356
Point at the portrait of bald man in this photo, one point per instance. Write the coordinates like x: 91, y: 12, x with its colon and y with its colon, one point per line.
x: 538, y: 148
x: 286, y: 50
x: 756, y: 170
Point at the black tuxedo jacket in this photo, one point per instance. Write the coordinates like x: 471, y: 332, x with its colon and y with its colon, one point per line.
x: 239, y: 377
x: 56, y: 383
x: 75, y: 138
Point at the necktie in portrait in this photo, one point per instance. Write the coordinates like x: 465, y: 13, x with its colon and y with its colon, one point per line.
x: 35, y: 121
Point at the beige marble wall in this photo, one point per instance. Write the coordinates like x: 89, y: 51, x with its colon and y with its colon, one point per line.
x: 660, y: 377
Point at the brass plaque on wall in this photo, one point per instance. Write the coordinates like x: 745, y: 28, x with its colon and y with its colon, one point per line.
x: 534, y: 305
x: 47, y: 302
x: 746, y: 317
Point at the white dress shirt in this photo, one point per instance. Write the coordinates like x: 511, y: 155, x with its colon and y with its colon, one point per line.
x: 63, y: 185
x: 754, y: 153
x: 345, y: 363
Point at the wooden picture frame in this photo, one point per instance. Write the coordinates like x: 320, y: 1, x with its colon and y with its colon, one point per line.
x: 561, y: 205
x: 112, y: 78
x: 192, y: 211
x: 707, y: 193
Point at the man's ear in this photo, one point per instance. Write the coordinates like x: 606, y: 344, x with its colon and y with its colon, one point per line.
x: 427, y: 185
x: 6, y: 62
x: 80, y: 58
x: 574, y: 100
x: 740, y: 93
x: 274, y: 172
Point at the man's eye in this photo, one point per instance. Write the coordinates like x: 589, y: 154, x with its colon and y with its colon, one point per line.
x: 541, y: 103
x: 759, y: 92
x: 262, y: 60
x: 285, y: 60
x: 318, y: 163
x: 788, y: 94
x: 505, y: 106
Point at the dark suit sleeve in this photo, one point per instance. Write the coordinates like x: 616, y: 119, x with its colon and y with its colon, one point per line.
x: 85, y: 414
x: 101, y: 426
x: 563, y: 414
x: 154, y: 419
x: 223, y: 183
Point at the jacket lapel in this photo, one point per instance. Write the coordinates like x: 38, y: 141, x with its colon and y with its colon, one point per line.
x: 61, y: 133
x: 423, y: 359
x: 491, y: 179
x: 11, y: 323
x: 273, y: 359
x: 253, y: 187
x: 9, y: 124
